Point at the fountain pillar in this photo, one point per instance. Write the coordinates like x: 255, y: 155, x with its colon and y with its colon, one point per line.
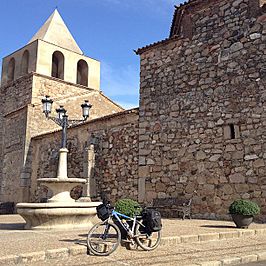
x: 62, y: 164
x: 89, y: 189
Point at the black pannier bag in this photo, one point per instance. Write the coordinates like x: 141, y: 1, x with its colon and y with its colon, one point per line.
x: 152, y: 220
x: 102, y: 212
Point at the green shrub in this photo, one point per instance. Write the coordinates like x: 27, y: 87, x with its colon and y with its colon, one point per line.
x: 127, y: 207
x: 244, y: 207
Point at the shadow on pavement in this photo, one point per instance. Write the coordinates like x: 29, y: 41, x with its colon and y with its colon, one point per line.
x: 12, y: 226
x: 77, y: 241
x: 218, y: 226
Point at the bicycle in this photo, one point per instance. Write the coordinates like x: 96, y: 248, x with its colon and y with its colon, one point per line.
x: 104, y: 237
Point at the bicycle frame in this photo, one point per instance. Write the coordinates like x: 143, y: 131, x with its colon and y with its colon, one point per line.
x: 129, y: 230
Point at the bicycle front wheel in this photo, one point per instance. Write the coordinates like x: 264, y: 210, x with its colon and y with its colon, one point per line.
x: 147, y: 240
x: 103, y: 238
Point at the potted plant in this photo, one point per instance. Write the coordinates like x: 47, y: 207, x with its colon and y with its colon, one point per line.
x: 243, y: 211
x: 128, y: 207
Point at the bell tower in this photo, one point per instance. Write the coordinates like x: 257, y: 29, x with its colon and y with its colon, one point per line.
x: 50, y: 64
x: 53, y: 52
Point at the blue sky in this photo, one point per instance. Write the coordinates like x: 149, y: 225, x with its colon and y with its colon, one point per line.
x: 107, y: 30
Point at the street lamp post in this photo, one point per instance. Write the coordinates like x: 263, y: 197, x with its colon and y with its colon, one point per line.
x: 63, y: 121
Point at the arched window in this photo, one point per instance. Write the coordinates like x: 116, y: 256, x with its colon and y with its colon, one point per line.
x: 24, y: 68
x: 11, y: 69
x: 82, y: 73
x: 58, y: 65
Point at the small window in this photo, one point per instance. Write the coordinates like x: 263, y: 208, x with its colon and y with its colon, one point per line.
x: 11, y: 69
x: 58, y: 65
x: 24, y: 68
x: 82, y: 73
x: 231, y: 131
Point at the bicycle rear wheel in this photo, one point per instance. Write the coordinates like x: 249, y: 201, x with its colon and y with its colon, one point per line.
x: 103, y: 238
x: 147, y: 240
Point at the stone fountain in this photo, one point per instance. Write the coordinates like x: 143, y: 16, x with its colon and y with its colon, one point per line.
x: 61, y: 211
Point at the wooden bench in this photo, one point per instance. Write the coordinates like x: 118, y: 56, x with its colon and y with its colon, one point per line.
x: 182, y: 206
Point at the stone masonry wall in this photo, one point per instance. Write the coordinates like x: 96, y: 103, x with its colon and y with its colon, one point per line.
x: 202, y: 111
x: 15, y: 98
x: 1, y: 139
x: 115, y: 139
x: 13, y: 160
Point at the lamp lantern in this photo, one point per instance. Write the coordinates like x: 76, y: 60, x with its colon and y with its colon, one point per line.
x: 47, y: 105
x: 86, y: 106
x: 61, y: 111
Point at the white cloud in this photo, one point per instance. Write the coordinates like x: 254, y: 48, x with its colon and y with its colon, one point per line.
x: 127, y: 105
x: 122, y: 81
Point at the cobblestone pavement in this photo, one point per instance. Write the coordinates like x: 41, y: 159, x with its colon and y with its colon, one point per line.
x: 182, y: 254
x: 184, y: 242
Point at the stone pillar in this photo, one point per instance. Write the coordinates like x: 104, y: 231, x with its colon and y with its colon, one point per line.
x: 141, y: 189
x: 62, y: 164
x: 89, y: 189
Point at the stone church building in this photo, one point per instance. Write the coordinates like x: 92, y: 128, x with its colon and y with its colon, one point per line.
x: 200, y: 125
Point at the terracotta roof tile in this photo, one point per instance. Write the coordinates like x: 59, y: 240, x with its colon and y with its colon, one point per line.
x: 175, y: 23
x: 172, y: 36
x: 102, y: 118
x: 147, y: 47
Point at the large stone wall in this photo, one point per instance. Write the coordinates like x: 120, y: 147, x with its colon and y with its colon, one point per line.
x: 202, y: 110
x: 1, y: 142
x: 115, y: 140
x: 14, y: 147
x: 15, y: 98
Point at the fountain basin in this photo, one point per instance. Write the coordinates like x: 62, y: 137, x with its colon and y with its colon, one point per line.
x: 61, y: 187
x: 58, y: 215
x: 61, y: 211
